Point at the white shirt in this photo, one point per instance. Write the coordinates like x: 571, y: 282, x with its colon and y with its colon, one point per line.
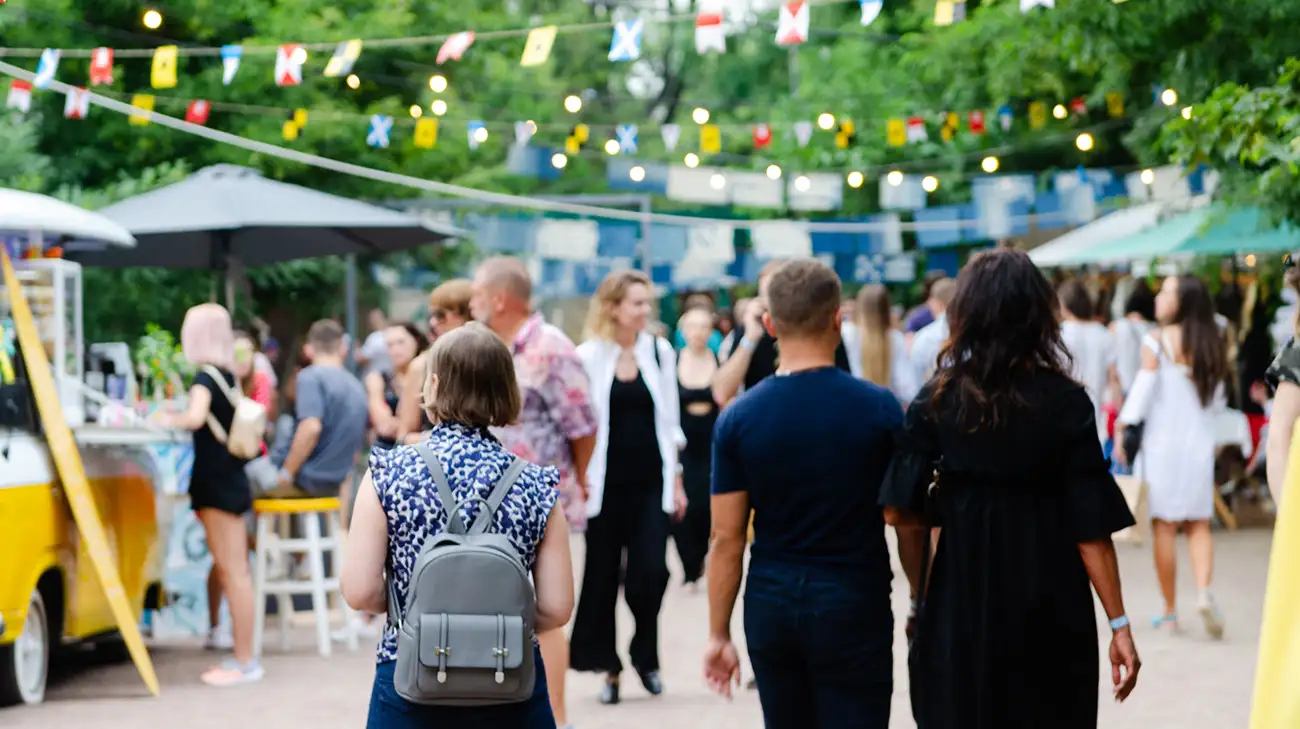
x: 1092, y: 350
x: 600, y: 359
x: 1128, y: 349
x: 375, y: 351
x: 926, y: 345
x: 904, y: 380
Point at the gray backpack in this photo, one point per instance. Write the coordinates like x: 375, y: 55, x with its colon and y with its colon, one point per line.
x: 465, y: 633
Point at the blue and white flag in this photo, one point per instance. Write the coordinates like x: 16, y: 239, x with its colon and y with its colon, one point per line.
x: 380, y: 126
x: 230, y: 63
x: 871, y: 10
x: 46, y: 68
x: 473, y: 134
x: 626, y: 134
x: 1004, y: 117
x: 626, y: 45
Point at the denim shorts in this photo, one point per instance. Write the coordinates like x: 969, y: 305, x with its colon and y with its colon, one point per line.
x: 388, y: 710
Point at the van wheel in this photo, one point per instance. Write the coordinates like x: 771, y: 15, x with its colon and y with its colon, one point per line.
x: 25, y: 663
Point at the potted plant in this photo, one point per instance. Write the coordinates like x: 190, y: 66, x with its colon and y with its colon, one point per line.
x: 160, y: 364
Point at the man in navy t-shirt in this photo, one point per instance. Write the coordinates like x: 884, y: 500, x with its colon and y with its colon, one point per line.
x: 807, y: 449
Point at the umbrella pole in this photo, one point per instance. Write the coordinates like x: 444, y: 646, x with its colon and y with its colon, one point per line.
x: 350, y: 313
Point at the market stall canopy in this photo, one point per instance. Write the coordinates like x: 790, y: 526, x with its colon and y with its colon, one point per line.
x: 1116, y: 225
x: 1205, y: 232
x: 25, y: 213
x: 229, y: 212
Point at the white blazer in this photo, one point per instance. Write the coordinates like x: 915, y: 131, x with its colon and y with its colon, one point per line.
x: 600, y: 358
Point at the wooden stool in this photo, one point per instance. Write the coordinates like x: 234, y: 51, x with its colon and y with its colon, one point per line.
x: 271, y: 515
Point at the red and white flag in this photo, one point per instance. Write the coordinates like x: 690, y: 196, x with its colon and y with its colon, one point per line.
x: 792, y: 24
x: 20, y: 96
x: 77, y: 105
x: 976, y: 121
x: 197, y: 111
x: 1079, y: 106
x: 454, y: 47
x: 916, y: 129
x: 101, y: 66
x: 762, y: 136
x: 288, y: 64
x: 708, y: 34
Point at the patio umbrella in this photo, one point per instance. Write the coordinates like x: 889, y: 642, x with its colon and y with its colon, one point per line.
x: 1119, y: 224
x: 229, y: 212
x: 1210, y: 231
x: 27, y: 213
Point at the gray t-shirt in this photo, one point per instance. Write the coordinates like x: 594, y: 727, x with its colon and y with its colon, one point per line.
x: 336, y: 398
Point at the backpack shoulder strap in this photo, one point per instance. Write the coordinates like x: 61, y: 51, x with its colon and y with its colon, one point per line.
x: 449, y: 503
x: 498, y: 495
x: 218, y: 431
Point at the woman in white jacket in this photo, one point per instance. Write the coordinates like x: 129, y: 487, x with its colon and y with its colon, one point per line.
x: 878, y: 351
x: 634, y: 481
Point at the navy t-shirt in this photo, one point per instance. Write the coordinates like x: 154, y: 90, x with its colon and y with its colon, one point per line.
x: 811, y: 448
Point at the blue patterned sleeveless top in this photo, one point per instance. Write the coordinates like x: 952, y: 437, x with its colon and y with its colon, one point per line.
x: 473, y: 461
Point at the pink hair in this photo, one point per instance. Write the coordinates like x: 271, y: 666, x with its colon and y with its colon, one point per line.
x: 207, y: 337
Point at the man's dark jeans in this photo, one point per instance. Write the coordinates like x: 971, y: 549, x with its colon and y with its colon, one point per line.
x: 821, y: 644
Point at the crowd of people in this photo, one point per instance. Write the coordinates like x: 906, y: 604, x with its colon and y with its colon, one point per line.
x: 794, y: 427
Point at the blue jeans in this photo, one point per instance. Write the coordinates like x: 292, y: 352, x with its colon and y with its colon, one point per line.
x: 821, y: 644
x: 388, y: 710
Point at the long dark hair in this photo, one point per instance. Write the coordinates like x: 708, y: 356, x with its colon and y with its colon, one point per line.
x: 1202, y: 342
x: 1003, y: 323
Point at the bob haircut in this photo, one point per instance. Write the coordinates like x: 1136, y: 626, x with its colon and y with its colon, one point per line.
x: 610, y: 294
x: 476, y: 379
x: 452, y: 297
x: 207, y: 337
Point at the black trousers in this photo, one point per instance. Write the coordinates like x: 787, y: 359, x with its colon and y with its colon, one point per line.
x: 631, y: 521
x: 691, y: 534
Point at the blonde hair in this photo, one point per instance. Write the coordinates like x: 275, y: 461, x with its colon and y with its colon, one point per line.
x: 873, y: 320
x: 476, y: 379
x: 452, y: 297
x: 207, y: 337
x: 612, y: 291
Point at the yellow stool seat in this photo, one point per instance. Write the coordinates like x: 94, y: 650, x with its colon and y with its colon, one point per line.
x: 296, y: 506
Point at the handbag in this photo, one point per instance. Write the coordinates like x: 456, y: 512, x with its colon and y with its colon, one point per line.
x: 1132, y: 440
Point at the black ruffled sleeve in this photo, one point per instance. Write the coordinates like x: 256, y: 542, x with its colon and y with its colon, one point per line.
x: 911, y: 469
x: 1096, y: 506
x: 1286, y: 367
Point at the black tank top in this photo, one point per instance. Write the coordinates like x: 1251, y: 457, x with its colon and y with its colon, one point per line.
x: 633, y: 452
x: 698, y: 429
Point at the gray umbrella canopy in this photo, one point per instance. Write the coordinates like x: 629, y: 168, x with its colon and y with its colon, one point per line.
x: 227, y: 211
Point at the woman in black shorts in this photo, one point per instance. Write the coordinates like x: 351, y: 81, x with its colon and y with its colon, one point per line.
x: 219, y: 489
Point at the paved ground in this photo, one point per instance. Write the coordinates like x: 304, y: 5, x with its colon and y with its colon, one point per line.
x: 1188, y: 682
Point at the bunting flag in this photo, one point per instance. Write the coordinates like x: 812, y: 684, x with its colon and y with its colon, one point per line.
x: 300, y: 118
x: 916, y: 129
x: 626, y: 45
x: 162, y: 73
x: 523, y: 132
x: 380, y: 126
x: 196, y: 112
x: 145, y: 103
x: 1079, y: 106
x: 627, y: 138
x: 101, y: 67
x: 426, y: 133
x: 538, y: 46
x: 1027, y: 5
x: 803, y: 132
x: 670, y: 133
x: 1004, y: 117
x: 20, y: 96
x: 578, y: 136
x: 46, y: 68
x: 947, y: 12
x: 792, y: 24
x: 345, y: 55
x: 709, y: 35
x: 289, y: 129
x: 762, y: 136
x: 896, y: 132
x: 710, y: 139
x: 288, y: 64
x: 452, y: 49
x: 1115, y: 104
x: 230, y: 63
x: 846, y: 135
x: 949, y: 128
x: 1037, y: 115
x: 77, y: 103
x: 871, y: 10
x: 975, y: 120
x: 472, y: 133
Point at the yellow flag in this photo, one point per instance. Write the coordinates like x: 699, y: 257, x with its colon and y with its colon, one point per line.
x: 582, y: 133
x: 1037, y: 115
x: 950, y: 124
x: 144, y: 102
x: 1115, y: 103
x: 426, y: 133
x: 163, y: 74
x: 896, y: 133
x: 341, y: 62
x: 538, y: 46
x: 300, y: 117
x: 710, y: 139
x: 572, y: 145
x: 290, y: 130
x: 943, y: 12
x: 845, y: 135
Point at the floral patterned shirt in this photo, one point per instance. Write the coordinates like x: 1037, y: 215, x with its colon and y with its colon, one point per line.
x: 556, y: 408
x: 473, y: 461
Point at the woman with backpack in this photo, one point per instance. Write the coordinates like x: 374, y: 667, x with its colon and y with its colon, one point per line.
x: 219, y: 489
x: 445, y: 658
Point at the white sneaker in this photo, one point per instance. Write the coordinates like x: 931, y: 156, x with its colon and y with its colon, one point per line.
x: 1211, y: 616
x: 363, y: 629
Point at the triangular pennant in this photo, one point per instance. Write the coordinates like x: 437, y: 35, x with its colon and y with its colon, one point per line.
x: 896, y: 132
x: 380, y: 126
x: 626, y: 45
x: 288, y: 64
x: 538, y: 46
x: 77, y: 103
x: 426, y: 133
x: 345, y: 55
x: 871, y: 10
x: 453, y: 48
x: 709, y: 35
x: 20, y: 96
x: 792, y: 24
x: 230, y: 56
x: 101, y: 67
x: 196, y: 112
x: 671, y: 134
x: 145, y: 103
x: 46, y: 68
x: 803, y: 132
x: 162, y: 73
x: 626, y: 134
x: 762, y: 136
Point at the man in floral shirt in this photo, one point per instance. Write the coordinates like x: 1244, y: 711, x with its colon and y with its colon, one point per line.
x: 557, y: 426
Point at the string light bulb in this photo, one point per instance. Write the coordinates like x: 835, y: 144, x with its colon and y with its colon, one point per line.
x: 774, y: 172
x: 989, y: 164
x: 572, y: 104
x: 717, y: 181
x: 894, y: 178
x: 532, y: 126
x: 692, y: 160
x: 1147, y: 177
x: 437, y: 83
x: 700, y: 115
x: 354, y: 81
x: 558, y: 160
x: 438, y: 107
x: 152, y: 19
x: 416, y: 111
x: 299, y: 55
x: 1084, y: 142
x: 481, y: 135
x: 636, y: 173
x: 856, y: 179
x: 1169, y: 97
x: 802, y: 183
x: 1059, y: 111
x: 930, y: 183
x: 611, y: 147
x: 1187, y: 112
x: 826, y: 120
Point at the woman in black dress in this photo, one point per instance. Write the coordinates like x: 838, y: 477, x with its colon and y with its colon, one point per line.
x: 696, y: 366
x: 1000, y: 453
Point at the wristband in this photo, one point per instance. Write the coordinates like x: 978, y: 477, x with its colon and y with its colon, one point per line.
x: 1119, y: 623
x: 747, y: 345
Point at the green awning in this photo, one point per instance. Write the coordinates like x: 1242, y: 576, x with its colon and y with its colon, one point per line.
x: 1211, y: 231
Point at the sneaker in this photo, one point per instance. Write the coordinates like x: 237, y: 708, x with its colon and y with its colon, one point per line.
x: 219, y: 640
x: 233, y: 673
x: 1166, y: 623
x: 363, y: 628
x: 1211, y: 616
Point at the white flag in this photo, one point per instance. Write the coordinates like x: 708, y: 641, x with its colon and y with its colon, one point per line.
x: 230, y: 63
x: 871, y: 10
x: 792, y: 24
x: 671, y: 133
x: 77, y: 105
x: 708, y: 34
x: 523, y: 132
x: 1027, y: 5
x: 803, y: 132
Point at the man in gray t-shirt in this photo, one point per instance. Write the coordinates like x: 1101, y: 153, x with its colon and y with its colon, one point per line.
x: 331, y: 418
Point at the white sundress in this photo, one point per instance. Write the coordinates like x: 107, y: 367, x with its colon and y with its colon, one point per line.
x: 1176, y: 459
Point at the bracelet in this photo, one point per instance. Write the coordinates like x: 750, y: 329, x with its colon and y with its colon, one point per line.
x: 1119, y: 623
x: 747, y: 345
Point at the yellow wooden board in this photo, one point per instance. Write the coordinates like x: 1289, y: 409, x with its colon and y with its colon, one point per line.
x: 1277, y: 703
x: 67, y: 459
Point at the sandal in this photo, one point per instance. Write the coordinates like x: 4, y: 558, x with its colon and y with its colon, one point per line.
x: 1169, y: 622
x: 233, y: 673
